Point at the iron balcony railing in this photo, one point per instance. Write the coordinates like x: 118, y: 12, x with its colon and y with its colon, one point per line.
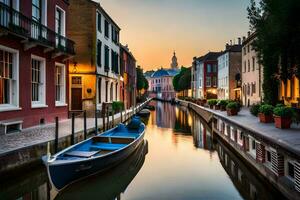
x: 19, y: 24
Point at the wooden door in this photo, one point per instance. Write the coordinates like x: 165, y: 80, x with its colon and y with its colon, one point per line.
x: 76, y: 99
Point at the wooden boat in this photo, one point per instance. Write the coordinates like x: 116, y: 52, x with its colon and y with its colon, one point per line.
x: 94, y: 155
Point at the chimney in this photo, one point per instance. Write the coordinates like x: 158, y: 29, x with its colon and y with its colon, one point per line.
x: 244, y: 38
x: 230, y: 42
x: 249, y: 33
x: 239, y: 39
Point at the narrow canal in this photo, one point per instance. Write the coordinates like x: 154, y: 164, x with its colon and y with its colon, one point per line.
x: 180, y: 160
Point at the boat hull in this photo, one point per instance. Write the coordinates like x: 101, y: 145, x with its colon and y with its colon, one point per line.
x: 63, y: 174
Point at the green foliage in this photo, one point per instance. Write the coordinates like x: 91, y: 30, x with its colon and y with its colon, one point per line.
x: 232, y: 105
x: 182, y: 81
x: 254, y: 110
x: 117, y: 106
x: 277, y: 42
x: 280, y: 105
x: 222, y: 103
x: 141, y: 81
x: 283, y: 111
x: 266, y: 109
x: 212, y: 102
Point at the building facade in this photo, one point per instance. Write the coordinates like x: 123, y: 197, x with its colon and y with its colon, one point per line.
x: 229, y: 72
x: 128, y: 73
x: 252, y: 73
x: 205, y: 75
x: 34, y: 54
x: 95, y: 73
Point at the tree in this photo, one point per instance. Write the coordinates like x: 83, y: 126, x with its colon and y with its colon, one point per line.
x: 182, y: 81
x: 277, y: 42
x: 141, y: 81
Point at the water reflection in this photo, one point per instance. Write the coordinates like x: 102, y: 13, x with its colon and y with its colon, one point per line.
x: 185, y: 161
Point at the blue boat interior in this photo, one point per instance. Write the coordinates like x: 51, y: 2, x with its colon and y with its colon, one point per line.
x: 104, y: 143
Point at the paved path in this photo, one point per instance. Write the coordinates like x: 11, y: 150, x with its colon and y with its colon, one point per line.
x: 286, y: 138
x: 45, y: 133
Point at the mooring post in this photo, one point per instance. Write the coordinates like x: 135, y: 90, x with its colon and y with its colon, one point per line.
x: 84, y: 124
x: 56, y: 136
x: 73, y: 129
x: 96, y: 122
x: 121, y: 115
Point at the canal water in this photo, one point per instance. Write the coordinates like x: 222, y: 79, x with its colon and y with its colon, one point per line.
x: 180, y: 159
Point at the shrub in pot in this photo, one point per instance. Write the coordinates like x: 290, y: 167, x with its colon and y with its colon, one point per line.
x: 266, y: 113
x: 212, y: 103
x: 254, y: 110
x: 222, y: 104
x: 232, y: 108
x: 283, y: 117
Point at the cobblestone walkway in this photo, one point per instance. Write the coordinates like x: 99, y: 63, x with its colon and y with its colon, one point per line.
x: 45, y: 133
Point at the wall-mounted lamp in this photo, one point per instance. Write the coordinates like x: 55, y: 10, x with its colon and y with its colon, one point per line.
x: 74, y: 66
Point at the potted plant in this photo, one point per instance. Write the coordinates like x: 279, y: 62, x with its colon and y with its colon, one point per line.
x: 232, y: 108
x: 254, y: 110
x: 212, y: 103
x: 265, y: 113
x: 283, y: 117
x: 223, y: 104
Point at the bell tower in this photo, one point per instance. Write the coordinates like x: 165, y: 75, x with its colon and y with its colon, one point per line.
x: 174, y: 64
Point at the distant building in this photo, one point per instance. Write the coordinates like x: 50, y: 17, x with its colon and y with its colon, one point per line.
x: 128, y: 72
x: 205, y: 76
x: 174, y: 64
x: 252, y: 73
x: 95, y: 76
x: 229, y: 72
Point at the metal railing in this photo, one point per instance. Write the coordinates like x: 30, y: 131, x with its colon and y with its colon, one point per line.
x: 19, y: 24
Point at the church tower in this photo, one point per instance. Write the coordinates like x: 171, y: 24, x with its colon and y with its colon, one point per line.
x: 174, y: 64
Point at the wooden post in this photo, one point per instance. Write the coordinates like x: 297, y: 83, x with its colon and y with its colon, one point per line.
x: 96, y: 122
x: 56, y: 136
x: 84, y: 125
x: 73, y: 129
x: 113, y: 119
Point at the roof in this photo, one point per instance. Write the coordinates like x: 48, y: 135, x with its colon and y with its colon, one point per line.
x: 164, y: 72
x: 210, y: 56
x: 232, y: 48
x: 125, y: 48
x: 251, y: 37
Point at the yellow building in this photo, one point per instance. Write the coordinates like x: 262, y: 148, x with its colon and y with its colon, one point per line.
x: 289, y: 92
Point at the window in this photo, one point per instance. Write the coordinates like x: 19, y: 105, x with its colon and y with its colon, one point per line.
x: 8, y: 78
x: 99, y: 90
x: 60, y: 26
x: 106, y: 61
x: 38, y: 81
x: 253, y: 88
x: 245, y: 66
x: 111, y: 92
x: 60, y: 84
x: 208, y: 68
x: 214, y: 68
x: 248, y: 65
x: 99, y: 46
x: 214, y: 81
x: 106, y: 91
x: 99, y: 22
x: 36, y: 10
x: 106, y: 29
x: 116, y: 98
x: 253, y: 63
x: 208, y: 81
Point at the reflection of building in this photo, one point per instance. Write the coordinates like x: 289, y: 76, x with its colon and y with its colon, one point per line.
x: 34, y: 54
x: 252, y: 77
x: 95, y: 78
x: 182, y: 121
x: 229, y: 69
x: 128, y: 72
x: 165, y: 115
x: 205, y: 76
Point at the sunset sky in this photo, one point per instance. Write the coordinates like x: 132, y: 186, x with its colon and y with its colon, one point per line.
x: 153, y: 29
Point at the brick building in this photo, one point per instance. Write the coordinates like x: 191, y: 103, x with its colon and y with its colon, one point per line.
x: 34, y: 53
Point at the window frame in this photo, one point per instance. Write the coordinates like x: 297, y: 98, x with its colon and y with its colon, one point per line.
x: 14, y: 96
x: 42, y: 102
x: 62, y: 102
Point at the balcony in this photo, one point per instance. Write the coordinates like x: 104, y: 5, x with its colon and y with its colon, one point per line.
x: 33, y: 33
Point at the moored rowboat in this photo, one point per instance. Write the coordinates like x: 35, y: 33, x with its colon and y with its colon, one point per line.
x: 94, y: 155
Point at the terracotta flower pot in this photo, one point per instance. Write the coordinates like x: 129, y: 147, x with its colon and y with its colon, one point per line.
x: 217, y: 107
x: 211, y: 106
x: 232, y: 112
x: 265, y: 118
x: 282, y: 122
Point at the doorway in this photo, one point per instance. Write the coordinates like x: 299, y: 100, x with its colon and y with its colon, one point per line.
x: 76, y: 99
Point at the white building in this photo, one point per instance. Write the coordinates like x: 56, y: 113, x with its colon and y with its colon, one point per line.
x: 229, y: 69
x: 252, y: 73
